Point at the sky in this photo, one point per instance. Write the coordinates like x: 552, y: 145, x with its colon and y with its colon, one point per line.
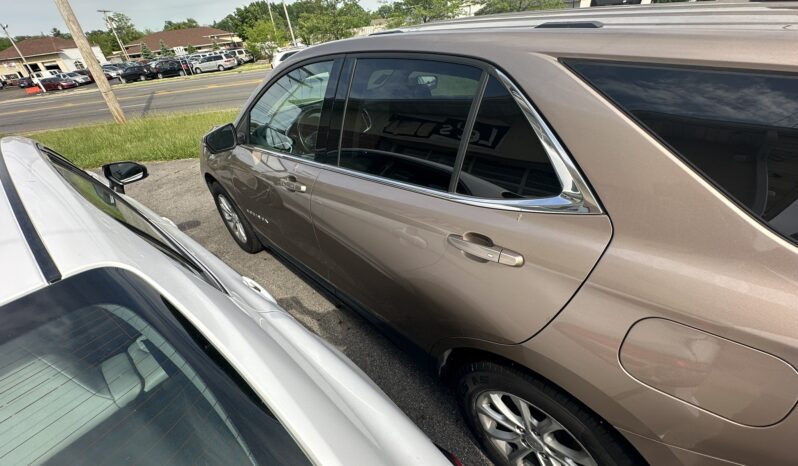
x: 29, y: 17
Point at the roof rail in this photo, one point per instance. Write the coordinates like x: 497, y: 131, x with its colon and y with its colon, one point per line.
x: 385, y: 33
x: 571, y: 24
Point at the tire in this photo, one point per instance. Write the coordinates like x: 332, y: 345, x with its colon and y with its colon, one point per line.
x: 591, y: 440
x: 182, y: 73
x: 142, y: 78
x: 160, y: 75
x: 60, y: 87
x: 249, y: 242
x: 197, y: 70
x: 220, y: 68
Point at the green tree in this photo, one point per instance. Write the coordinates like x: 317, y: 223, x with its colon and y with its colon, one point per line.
x: 103, y: 39
x: 408, y: 12
x: 4, y: 43
x: 55, y: 32
x: 165, y: 51
x: 124, y: 28
x: 332, y: 20
x: 187, y: 24
x: 508, y: 6
x: 190, y: 49
x: 145, y: 51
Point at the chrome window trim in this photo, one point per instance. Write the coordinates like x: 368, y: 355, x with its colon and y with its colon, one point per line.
x: 575, y: 197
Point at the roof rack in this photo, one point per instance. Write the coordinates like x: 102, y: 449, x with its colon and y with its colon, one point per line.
x: 571, y: 24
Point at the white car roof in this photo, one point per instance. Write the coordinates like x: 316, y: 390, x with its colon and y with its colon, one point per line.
x: 334, y: 411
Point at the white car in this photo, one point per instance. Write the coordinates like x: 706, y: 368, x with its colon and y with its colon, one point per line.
x: 77, y: 77
x: 124, y: 341
x: 215, y: 62
x: 283, y: 55
x: 44, y: 74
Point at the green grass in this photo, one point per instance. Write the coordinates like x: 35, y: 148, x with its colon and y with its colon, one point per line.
x: 167, y: 136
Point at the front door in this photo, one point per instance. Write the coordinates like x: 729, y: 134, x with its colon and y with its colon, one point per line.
x: 275, y: 172
x: 443, y: 237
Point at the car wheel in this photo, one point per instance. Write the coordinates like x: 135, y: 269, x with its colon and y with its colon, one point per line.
x: 197, y: 71
x: 236, y: 224
x: 220, y: 68
x: 142, y: 78
x: 182, y: 73
x: 160, y: 75
x: 521, y: 419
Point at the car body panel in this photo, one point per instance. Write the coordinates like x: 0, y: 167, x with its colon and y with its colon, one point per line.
x: 333, y: 411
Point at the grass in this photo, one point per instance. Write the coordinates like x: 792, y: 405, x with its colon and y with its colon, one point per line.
x: 167, y: 136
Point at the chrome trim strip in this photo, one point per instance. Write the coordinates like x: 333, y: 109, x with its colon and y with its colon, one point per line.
x: 576, y: 197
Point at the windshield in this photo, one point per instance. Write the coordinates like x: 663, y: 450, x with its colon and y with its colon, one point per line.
x: 112, y: 204
x: 98, y: 368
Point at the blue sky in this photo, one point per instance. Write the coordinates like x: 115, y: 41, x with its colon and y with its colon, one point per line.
x: 28, y: 17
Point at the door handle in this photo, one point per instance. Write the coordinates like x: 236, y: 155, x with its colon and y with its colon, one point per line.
x: 482, y: 248
x: 291, y: 184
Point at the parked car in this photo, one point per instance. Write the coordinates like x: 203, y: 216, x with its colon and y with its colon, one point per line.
x: 121, y: 332
x: 168, y: 68
x: 57, y: 83
x: 25, y: 82
x: 39, y: 75
x: 242, y: 56
x: 111, y: 70
x: 77, y: 77
x: 137, y: 73
x: 604, y: 267
x: 215, y: 62
x: 283, y: 55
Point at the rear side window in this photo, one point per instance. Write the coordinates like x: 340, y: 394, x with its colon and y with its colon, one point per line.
x: 404, y: 119
x: 505, y: 159
x: 739, y: 129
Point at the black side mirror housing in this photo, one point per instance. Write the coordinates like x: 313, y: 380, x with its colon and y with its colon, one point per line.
x: 221, y: 139
x: 119, y: 174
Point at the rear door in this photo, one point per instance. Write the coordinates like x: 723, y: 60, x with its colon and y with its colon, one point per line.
x: 443, y: 236
x: 274, y: 172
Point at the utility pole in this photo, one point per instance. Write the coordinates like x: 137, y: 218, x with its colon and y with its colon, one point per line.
x: 90, y: 60
x: 293, y: 39
x: 24, y: 62
x: 110, y: 23
x: 271, y: 17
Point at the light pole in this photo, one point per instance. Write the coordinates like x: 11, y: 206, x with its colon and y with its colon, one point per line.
x: 110, y: 23
x: 293, y: 39
x: 24, y: 62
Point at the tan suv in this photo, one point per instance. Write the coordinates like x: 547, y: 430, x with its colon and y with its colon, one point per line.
x: 591, y: 227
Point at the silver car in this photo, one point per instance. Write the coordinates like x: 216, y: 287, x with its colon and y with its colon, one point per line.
x: 215, y: 62
x: 125, y: 341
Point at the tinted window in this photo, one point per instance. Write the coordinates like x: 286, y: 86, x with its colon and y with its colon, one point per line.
x: 286, y: 117
x: 404, y: 119
x: 505, y: 158
x: 739, y: 129
x: 100, y: 369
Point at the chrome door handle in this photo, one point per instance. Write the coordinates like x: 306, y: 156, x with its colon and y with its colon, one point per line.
x: 486, y: 252
x: 293, y: 186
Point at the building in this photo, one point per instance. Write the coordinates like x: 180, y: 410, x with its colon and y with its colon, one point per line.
x: 203, y: 39
x: 44, y: 53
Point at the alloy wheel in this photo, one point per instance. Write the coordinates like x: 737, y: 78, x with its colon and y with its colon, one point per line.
x: 197, y: 70
x: 160, y: 75
x: 221, y: 68
x: 527, y: 436
x: 231, y: 218
x: 142, y: 78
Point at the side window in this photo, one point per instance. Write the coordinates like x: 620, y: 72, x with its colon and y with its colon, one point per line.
x: 286, y: 117
x: 505, y: 159
x: 404, y: 119
x: 738, y: 129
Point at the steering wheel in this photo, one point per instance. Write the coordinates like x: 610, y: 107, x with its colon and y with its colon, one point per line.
x: 306, y: 128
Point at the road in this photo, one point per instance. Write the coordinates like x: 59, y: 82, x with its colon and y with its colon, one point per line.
x: 176, y: 190
x: 63, y: 109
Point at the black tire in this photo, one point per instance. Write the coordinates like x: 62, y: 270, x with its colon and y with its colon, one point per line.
x: 142, y: 78
x: 221, y: 68
x: 182, y: 73
x: 600, y: 440
x: 197, y: 70
x: 60, y: 87
x: 252, y: 245
x: 160, y: 75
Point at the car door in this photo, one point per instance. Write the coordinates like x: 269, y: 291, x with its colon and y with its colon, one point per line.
x: 274, y: 172
x: 444, y: 237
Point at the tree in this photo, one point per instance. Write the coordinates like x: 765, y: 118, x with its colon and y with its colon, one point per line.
x: 190, y: 49
x: 4, y: 43
x: 187, y: 24
x: 103, y: 39
x: 423, y: 11
x: 165, y: 51
x: 145, y: 51
x: 55, y: 32
x: 215, y: 46
x: 332, y: 20
x: 507, y: 6
x: 124, y: 28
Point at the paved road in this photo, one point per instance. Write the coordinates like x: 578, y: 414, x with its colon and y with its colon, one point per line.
x: 62, y: 109
x: 175, y: 190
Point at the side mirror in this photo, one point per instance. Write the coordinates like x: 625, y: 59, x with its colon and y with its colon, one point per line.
x: 121, y: 173
x: 221, y: 139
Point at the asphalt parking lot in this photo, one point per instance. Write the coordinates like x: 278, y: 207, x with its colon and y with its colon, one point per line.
x: 175, y: 190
